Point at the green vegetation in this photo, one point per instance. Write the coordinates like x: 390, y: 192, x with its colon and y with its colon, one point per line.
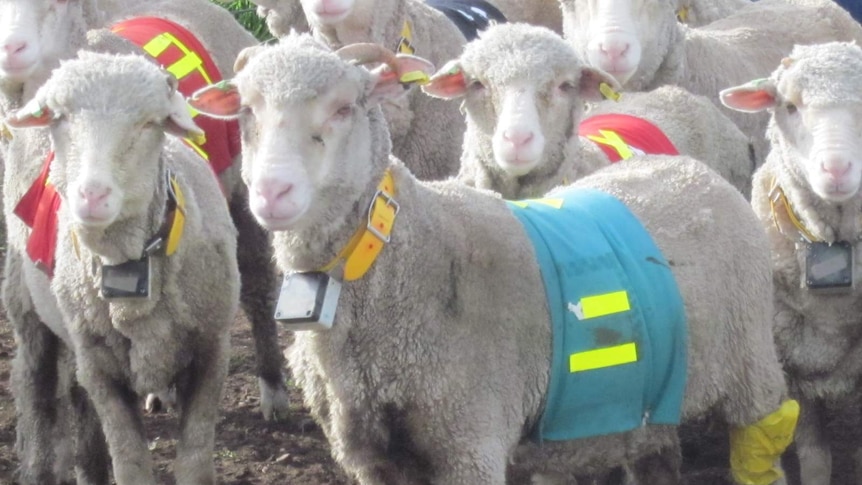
x: 245, y: 13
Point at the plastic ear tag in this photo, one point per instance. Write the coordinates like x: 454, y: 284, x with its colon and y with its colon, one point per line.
x: 417, y: 77
x: 5, y: 132
x: 197, y: 138
x: 829, y: 266
x: 127, y: 280
x: 308, y: 301
x: 682, y: 14
x: 608, y: 92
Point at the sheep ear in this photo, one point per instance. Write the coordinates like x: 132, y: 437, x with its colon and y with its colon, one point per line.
x: 590, y: 84
x: 389, y: 84
x: 33, y: 114
x: 447, y: 83
x: 180, y: 122
x: 220, y: 100
x: 244, y: 55
x: 752, y: 97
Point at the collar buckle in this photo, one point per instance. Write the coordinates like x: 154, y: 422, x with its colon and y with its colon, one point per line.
x: 389, y: 201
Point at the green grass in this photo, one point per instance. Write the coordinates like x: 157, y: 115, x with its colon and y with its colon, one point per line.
x: 244, y: 11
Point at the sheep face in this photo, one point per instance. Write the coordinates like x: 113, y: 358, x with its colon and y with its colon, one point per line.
x: 306, y: 117
x: 815, y: 99
x: 107, y: 118
x: 523, y: 89
x: 32, y: 33
x: 620, y: 37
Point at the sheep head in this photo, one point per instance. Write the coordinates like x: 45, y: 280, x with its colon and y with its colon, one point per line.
x: 815, y: 100
x: 523, y: 89
x: 625, y: 38
x: 107, y: 116
x: 34, y: 34
x: 310, y: 122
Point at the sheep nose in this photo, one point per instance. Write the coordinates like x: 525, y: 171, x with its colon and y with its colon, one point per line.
x: 614, y: 49
x: 14, y: 46
x: 836, y: 166
x: 94, y: 192
x: 517, y: 138
x: 271, y: 190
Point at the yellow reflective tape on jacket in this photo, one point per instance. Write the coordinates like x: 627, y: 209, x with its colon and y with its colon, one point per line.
x: 613, y: 140
x: 555, y: 203
x: 601, y: 358
x: 601, y: 305
x: 190, y: 61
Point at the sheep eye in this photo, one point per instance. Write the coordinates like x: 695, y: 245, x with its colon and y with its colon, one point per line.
x: 317, y: 138
x: 476, y: 85
x: 791, y: 108
x: 344, y: 111
x: 567, y: 86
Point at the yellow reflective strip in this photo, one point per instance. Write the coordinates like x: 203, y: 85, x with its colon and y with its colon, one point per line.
x: 186, y: 65
x: 157, y: 45
x: 614, y: 141
x: 196, y: 148
x: 607, y: 304
x: 601, y: 358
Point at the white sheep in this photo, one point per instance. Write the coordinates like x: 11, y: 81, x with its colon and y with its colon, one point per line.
x: 436, y: 367
x: 426, y: 133
x: 48, y: 31
x: 643, y: 46
x: 812, y: 176
x: 523, y: 90
x: 146, y: 273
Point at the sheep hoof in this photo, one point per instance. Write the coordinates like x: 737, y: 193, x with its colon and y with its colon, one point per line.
x: 274, y: 402
x: 160, y: 401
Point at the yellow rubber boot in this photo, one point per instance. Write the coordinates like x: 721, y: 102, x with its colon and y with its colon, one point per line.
x: 755, y: 448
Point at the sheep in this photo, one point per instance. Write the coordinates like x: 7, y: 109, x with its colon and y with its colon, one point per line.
x: 426, y: 133
x: 812, y: 175
x: 56, y: 31
x: 133, y: 199
x: 436, y: 366
x: 643, y: 46
x: 523, y: 90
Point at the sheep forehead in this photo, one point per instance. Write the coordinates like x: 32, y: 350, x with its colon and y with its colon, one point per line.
x: 107, y: 83
x: 514, y: 52
x: 825, y: 74
x: 296, y: 69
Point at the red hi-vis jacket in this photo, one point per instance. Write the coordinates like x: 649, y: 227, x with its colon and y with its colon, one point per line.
x: 621, y: 136
x: 182, y: 54
x: 178, y: 51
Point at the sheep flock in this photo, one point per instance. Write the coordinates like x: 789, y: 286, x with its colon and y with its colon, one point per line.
x: 475, y: 242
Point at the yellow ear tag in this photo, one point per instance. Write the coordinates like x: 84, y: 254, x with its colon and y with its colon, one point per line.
x: 176, y: 232
x: 4, y: 131
x: 417, y: 77
x: 608, y: 92
x: 682, y: 14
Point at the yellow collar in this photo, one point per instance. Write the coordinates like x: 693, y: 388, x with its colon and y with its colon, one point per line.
x: 367, y: 242
x: 782, y: 211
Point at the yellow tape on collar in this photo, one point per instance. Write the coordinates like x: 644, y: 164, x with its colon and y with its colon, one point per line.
x: 779, y: 206
x: 367, y: 242
x: 177, y: 227
x: 754, y: 449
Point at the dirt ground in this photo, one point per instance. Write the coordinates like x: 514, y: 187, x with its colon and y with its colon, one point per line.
x: 250, y: 451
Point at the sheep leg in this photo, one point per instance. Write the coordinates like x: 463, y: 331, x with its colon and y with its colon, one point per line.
x: 661, y: 468
x: 257, y: 297
x: 198, y: 394
x: 92, y: 458
x: 812, y: 445
x: 117, y: 407
x: 34, y: 381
